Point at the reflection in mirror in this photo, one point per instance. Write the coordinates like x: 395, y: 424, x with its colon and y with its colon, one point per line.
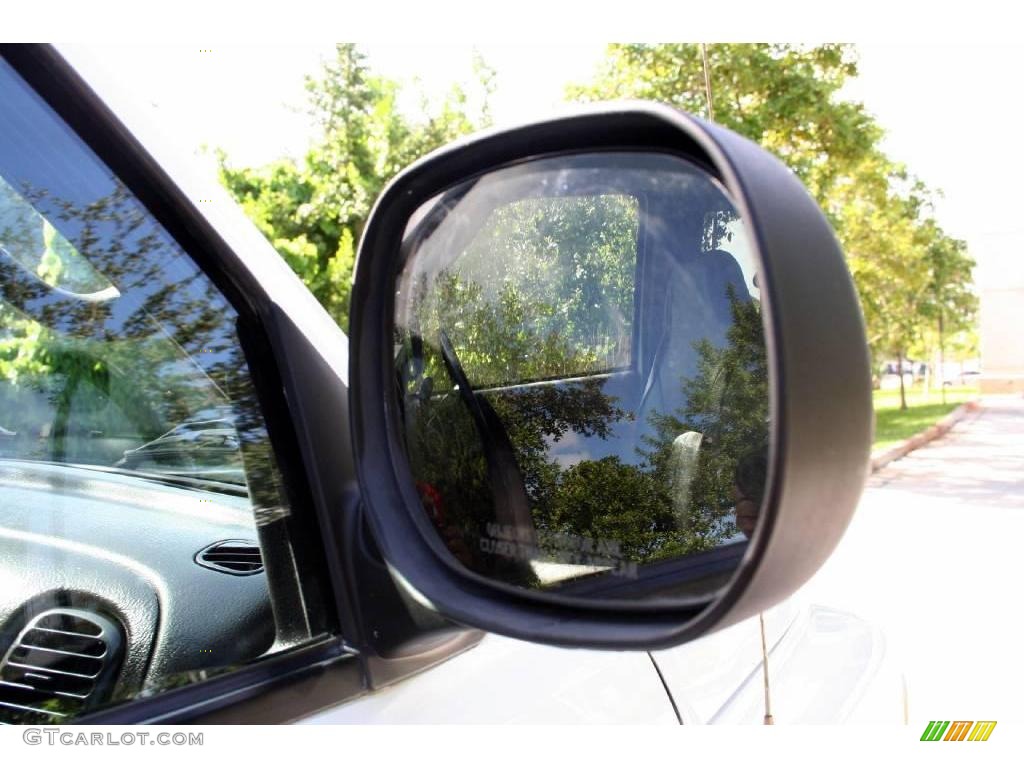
x: 581, y: 372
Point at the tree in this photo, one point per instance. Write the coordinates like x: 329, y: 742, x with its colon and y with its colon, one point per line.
x: 727, y: 403
x: 886, y: 255
x: 781, y: 96
x: 313, y: 212
x: 952, y: 305
x: 786, y: 98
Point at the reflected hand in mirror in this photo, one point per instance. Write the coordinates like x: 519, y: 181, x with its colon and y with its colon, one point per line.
x: 748, y: 491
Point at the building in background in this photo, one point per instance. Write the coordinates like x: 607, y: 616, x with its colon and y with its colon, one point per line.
x: 1002, y: 337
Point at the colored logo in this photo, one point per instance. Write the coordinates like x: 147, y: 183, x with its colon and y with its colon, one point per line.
x: 958, y: 730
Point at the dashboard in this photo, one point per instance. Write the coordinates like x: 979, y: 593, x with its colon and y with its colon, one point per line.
x: 116, y: 586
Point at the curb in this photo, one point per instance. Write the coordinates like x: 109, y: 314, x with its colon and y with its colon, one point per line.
x: 939, y: 428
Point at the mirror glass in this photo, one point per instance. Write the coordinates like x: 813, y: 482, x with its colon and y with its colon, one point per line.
x: 581, y: 376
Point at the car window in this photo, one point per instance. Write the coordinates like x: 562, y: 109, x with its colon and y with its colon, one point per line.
x: 141, y: 521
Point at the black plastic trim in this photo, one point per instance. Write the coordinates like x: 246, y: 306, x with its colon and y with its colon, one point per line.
x: 668, y: 690
x: 202, y: 558
x: 260, y: 692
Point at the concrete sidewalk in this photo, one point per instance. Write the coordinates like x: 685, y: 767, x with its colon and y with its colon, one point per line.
x: 933, y: 558
x: 980, y: 461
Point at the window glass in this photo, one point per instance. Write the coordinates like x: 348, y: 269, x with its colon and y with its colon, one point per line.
x: 544, y: 290
x: 142, y: 516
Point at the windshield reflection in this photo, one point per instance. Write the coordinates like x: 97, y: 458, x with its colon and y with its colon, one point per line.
x: 115, y: 350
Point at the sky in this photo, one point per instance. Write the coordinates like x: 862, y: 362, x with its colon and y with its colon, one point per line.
x: 949, y: 110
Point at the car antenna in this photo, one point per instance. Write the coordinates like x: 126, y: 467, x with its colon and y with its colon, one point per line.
x: 768, y: 718
x: 707, y: 81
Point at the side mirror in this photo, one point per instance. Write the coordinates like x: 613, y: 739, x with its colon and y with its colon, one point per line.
x: 609, y: 380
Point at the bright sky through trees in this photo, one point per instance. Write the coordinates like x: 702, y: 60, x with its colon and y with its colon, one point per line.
x: 249, y: 100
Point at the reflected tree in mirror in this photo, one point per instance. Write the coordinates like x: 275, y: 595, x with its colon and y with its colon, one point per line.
x: 622, y: 353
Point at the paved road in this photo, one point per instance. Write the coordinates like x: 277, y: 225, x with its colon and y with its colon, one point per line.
x: 934, y: 556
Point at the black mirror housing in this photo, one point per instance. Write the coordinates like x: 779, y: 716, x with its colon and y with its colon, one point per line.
x: 819, y: 394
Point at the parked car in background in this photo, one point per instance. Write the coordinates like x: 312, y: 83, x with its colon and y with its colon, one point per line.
x: 208, y: 449
x: 889, y: 375
x: 961, y: 374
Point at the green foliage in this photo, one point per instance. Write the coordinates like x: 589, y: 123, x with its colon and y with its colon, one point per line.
x: 786, y: 98
x: 953, y: 303
x: 313, y: 212
x: 727, y: 403
x: 542, y: 277
x: 908, y: 272
x: 886, y: 254
x: 780, y: 96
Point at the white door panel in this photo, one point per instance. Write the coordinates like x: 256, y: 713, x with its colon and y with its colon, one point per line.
x: 825, y: 667
x: 830, y: 668
x: 705, y: 674
x: 509, y: 681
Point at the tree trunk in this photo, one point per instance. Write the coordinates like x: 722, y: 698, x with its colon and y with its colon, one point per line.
x: 942, y: 360
x: 903, y: 390
x: 59, y: 431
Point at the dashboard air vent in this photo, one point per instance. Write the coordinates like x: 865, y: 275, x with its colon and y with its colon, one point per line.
x: 236, y: 556
x: 59, y: 665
